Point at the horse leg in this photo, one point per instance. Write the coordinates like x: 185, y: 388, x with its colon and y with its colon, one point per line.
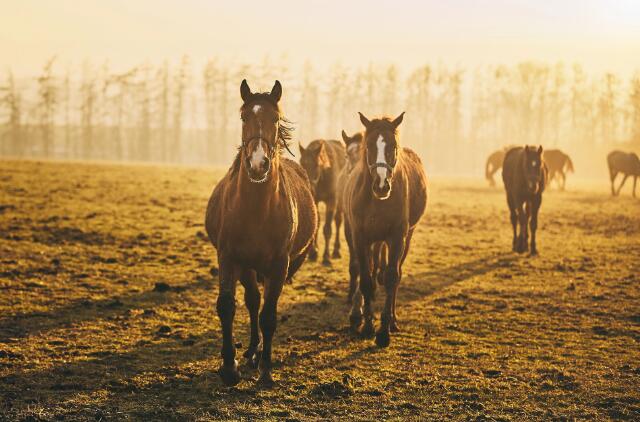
x: 514, y: 222
x: 523, y: 217
x: 635, y: 179
x: 395, y: 327
x: 249, y: 281
x: 353, y: 274
x: 624, y: 179
x: 328, y: 221
x: 313, y: 252
x: 564, y: 180
x: 391, y: 282
x: 226, y: 307
x: 613, y: 175
x: 336, y: 245
x: 268, y: 321
x: 535, y: 205
x: 367, y: 288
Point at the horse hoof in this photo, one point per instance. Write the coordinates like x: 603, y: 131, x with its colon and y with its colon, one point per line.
x: 368, y: 330
x: 229, y: 376
x: 313, y: 256
x: 383, y: 339
x: 354, y: 322
x: 326, y: 261
x: 265, y: 379
x: 394, y: 327
x: 336, y: 255
x: 534, y: 252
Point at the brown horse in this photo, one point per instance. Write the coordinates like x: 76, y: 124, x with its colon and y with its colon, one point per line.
x: 525, y: 177
x: 323, y: 161
x: 384, y: 198
x: 261, y: 218
x: 625, y: 163
x: 352, y: 145
x: 494, y: 163
x: 558, y: 163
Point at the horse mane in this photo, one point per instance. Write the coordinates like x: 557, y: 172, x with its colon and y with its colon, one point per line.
x: 285, y: 129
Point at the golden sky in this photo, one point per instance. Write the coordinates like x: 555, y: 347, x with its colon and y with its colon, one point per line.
x: 602, y: 35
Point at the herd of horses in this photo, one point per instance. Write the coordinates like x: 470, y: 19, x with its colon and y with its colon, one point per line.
x: 263, y: 218
x: 558, y: 164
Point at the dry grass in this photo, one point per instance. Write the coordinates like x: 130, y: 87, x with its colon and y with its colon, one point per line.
x: 487, y: 334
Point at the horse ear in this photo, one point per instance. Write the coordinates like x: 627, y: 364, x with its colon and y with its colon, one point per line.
x: 301, y: 147
x: 276, y: 92
x: 540, y: 149
x: 345, y: 138
x: 396, y: 122
x: 245, y: 91
x: 366, y: 122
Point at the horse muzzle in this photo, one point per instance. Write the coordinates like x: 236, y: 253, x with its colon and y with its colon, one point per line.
x: 258, y: 171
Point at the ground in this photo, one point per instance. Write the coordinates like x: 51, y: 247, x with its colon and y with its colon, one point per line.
x: 107, y: 309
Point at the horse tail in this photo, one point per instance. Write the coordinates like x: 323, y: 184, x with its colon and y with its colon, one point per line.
x: 569, y: 164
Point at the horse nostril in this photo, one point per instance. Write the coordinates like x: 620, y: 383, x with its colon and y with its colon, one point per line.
x: 266, y: 162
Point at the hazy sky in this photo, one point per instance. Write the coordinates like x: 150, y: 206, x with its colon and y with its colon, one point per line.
x: 603, y: 35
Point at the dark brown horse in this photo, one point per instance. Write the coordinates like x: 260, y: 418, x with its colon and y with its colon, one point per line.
x: 558, y: 163
x: 384, y: 198
x: 261, y: 218
x: 625, y: 163
x: 525, y: 177
x: 323, y: 161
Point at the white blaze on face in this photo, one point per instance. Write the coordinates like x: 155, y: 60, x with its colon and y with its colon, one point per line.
x: 382, y: 171
x: 256, y: 108
x: 257, y: 156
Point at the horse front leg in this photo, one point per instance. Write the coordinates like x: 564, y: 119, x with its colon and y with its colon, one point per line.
x: 326, y: 230
x: 635, y: 179
x: 336, y: 245
x: 354, y: 272
x: 523, y: 218
x: 391, y: 282
x: 252, y: 302
x: 514, y: 223
x: 367, y: 288
x: 226, y: 308
x: 537, y: 201
x: 268, y: 321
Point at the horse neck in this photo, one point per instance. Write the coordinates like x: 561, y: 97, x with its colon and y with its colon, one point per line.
x: 261, y: 193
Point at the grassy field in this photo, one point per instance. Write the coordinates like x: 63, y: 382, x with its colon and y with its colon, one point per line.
x: 107, y: 309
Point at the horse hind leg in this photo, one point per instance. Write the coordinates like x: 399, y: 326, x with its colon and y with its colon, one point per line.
x: 328, y: 221
x: 252, y: 302
x: 523, y: 217
x: 514, y: 223
x: 612, y: 176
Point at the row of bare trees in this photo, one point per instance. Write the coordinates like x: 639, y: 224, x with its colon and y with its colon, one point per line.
x: 173, y: 113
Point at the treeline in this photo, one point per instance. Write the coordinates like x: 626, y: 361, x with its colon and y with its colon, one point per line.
x: 186, y: 114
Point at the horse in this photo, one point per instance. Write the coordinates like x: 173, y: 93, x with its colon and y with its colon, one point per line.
x: 323, y: 161
x: 625, y: 163
x: 524, y: 175
x: 384, y: 198
x: 494, y: 163
x: 558, y: 163
x: 261, y: 218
